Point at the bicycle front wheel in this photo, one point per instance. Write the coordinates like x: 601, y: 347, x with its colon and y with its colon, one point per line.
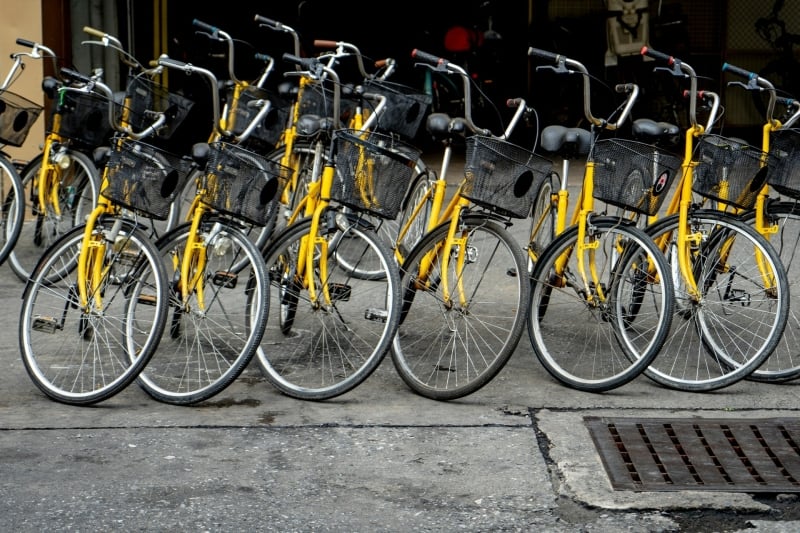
x: 451, y: 345
x: 83, y: 354
x: 742, y: 311
x: 599, y: 332
x: 13, y: 213
x: 784, y: 362
x: 213, y: 332
x: 77, y: 196
x: 322, y: 347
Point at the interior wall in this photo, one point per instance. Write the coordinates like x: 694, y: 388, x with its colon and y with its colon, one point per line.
x: 27, y: 24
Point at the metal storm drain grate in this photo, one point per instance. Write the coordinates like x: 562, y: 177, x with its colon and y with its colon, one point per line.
x: 670, y: 454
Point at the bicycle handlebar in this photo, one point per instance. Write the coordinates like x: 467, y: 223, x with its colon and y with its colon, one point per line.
x: 316, y: 69
x: 754, y: 83
x: 109, y: 41
x: 278, y: 26
x: 219, y: 35
x: 566, y: 65
x: 442, y: 64
x: 18, y: 64
x: 681, y: 69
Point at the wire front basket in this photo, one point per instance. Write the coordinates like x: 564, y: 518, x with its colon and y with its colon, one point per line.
x: 268, y: 132
x: 242, y: 183
x: 373, y: 171
x: 83, y: 118
x: 17, y: 115
x: 144, y: 97
x: 784, y: 149
x: 632, y: 175
x: 500, y: 175
x: 318, y: 100
x: 729, y: 170
x: 405, y: 107
x: 145, y: 179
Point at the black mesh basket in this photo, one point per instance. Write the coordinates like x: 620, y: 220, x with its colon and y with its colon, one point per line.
x: 405, y: 107
x: 268, y: 132
x: 84, y: 118
x: 373, y: 171
x: 17, y: 115
x: 146, y: 96
x: 729, y: 170
x: 145, y: 179
x: 784, y: 150
x: 500, y: 175
x: 632, y: 175
x: 242, y: 183
x: 318, y: 100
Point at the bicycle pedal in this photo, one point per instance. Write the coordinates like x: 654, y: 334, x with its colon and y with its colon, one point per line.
x: 226, y: 280
x: 339, y: 292
x: 46, y: 324
x: 376, y: 315
x: 147, y: 299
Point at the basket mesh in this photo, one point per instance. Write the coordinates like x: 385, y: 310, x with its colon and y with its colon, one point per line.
x: 784, y: 177
x: 405, y: 107
x: 145, y: 96
x: 266, y: 134
x: 373, y: 171
x: 729, y: 170
x: 318, y: 100
x: 242, y: 183
x: 17, y: 115
x: 84, y: 118
x: 633, y: 175
x: 144, y: 179
x: 500, y: 175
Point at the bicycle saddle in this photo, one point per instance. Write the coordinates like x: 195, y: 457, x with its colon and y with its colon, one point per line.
x: 575, y: 141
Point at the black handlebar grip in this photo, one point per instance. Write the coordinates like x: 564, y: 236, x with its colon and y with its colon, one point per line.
x: 25, y: 42
x: 544, y: 54
x: 203, y: 26
x: 265, y: 20
x: 74, y: 75
x: 428, y: 58
x: 739, y: 71
x: 783, y: 100
x: 655, y: 54
x: 263, y: 57
x: 305, y: 62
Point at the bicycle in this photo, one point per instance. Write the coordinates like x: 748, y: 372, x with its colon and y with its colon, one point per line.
x: 732, y: 293
x: 601, y: 274
x: 465, y: 294
x: 328, y: 329
x: 219, y: 284
x: 96, y: 304
x: 777, y: 218
x: 59, y: 186
x: 17, y: 115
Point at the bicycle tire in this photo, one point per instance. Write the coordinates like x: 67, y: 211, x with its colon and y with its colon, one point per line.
x: 447, y: 351
x: 328, y: 349
x: 739, y: 322
x: 543, y: 217
x: 13, y: 213
x: 208, y: 344
x: 78, y: 193
x: 78, y: 357
x: 600, y: 346
x: 784, y: 362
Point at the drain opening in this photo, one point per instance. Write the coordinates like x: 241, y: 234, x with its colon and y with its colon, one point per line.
x: 671, y: 454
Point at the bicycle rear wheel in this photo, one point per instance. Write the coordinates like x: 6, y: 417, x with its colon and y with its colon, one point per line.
x: 743, y: 310
x: 82, y: 356
x: 784, y: 362
x: 543, y: 217
x: 78, y: 191
x: 602, y: 343
x: 212, y: 336
x: 320, y: 350
x: 447, y: 349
